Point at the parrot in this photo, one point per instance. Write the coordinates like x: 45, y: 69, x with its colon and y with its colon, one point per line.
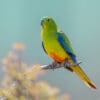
x: 58, y: 47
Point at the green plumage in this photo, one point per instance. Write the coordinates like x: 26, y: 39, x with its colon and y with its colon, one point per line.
x: 57, y: 45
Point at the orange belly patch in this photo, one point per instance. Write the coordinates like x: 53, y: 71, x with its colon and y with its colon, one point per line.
x: 56, y: 57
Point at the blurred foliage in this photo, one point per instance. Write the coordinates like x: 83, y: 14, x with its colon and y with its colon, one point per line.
x: 19, y: 79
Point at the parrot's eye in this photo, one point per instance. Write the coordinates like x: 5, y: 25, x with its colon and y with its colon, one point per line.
x: 48, y: 19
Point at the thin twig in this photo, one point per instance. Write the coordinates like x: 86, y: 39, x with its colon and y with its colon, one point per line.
x: 59, y: 65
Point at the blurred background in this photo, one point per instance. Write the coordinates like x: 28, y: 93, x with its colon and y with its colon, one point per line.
x: 79, y: 19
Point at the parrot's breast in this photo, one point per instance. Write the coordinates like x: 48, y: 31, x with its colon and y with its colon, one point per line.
x: 56, y: 57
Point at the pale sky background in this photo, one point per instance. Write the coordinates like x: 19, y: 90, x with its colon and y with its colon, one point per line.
x: 79, y: 19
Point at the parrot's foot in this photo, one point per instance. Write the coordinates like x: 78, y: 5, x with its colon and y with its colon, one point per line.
x: 54, y: 64
x: 65, y: 64
x: 68, y: 65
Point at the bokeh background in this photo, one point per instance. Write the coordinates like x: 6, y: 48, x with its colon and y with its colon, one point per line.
x: 79, y: 19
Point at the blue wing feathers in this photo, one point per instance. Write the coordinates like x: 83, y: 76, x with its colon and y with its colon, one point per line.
x: 61, y: 41
x: 65, y: 47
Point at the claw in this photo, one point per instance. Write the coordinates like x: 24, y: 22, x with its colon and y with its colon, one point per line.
x: 53, y: 65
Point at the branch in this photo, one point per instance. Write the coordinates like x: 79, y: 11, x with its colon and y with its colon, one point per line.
x: 56, y: 65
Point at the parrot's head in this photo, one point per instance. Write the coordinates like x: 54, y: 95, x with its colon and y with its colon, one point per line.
x: 48, y: 23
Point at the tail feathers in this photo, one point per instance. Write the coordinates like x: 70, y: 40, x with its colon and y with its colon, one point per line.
x: 78, y: 70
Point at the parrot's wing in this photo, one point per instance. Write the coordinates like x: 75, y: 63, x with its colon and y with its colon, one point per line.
x: 43, y: 47
x: 66, y: 45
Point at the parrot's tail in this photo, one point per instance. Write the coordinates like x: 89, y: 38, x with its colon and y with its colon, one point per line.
x: 78, y: 70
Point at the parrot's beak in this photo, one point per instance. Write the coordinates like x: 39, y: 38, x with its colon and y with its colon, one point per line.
x: 42, y: 22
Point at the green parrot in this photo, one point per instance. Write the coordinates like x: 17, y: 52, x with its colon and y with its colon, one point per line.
x: 57, y: 46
